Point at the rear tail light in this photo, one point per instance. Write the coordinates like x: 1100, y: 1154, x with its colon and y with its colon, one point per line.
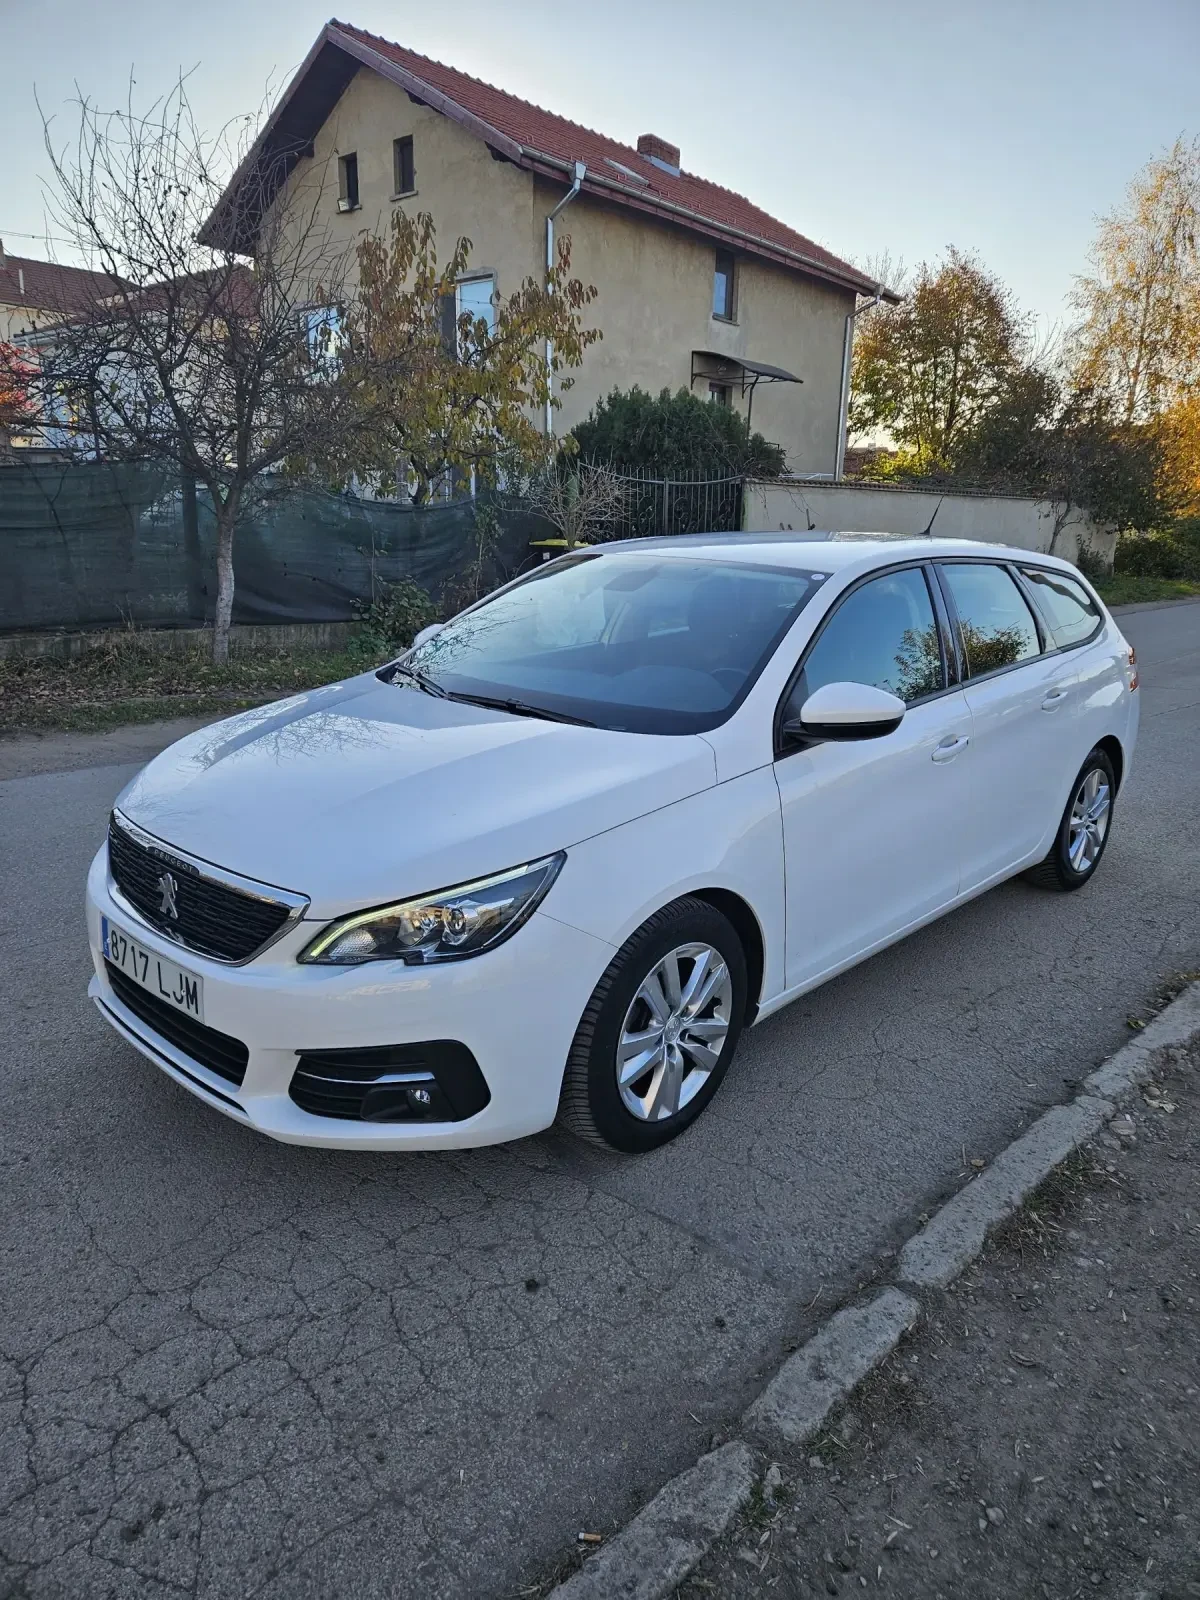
x: 1133, y: 677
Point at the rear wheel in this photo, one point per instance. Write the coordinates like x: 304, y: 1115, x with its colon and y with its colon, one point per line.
x: 659, y: 1032
x: 1083, y: 833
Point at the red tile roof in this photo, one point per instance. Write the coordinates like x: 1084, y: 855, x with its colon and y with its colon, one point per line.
x: 647, y: 185
x: 49, y: 286
x: 533, y: 138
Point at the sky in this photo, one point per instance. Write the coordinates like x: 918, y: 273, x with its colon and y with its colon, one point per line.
x: 1003, y: 127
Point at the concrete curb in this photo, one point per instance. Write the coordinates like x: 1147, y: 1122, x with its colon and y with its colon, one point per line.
x: 819, y: 1377
x: 1134, y: 1062
x: 654, y: 1553
x: 666, y: 1541
x: 955, y: 1235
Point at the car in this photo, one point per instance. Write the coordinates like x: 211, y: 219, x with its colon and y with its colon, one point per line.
x: 551, y: 861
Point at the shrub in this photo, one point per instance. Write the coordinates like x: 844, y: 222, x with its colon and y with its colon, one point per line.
x: 675, y: 434
x: 394, y: 617
x: 1172, y: 552
x: 1093, y: 565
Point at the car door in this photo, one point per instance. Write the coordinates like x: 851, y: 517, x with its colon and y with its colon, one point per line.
x: 872, y: 828
x: 1099, y: 655
x: 1023, y: 701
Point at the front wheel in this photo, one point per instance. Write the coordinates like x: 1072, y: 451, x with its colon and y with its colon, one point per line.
x: 659, y: 1032
x: 1083, y: 833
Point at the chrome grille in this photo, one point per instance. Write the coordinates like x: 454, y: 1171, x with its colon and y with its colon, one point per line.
x: 215, y: 915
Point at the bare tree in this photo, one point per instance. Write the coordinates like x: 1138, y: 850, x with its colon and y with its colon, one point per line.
x: 196, y: 357
x: 579, y: 498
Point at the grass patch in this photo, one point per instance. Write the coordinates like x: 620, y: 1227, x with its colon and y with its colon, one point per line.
x: 124, y: 680
x: 1126, y: 589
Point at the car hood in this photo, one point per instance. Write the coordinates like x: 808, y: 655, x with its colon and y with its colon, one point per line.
x: 365, y: 791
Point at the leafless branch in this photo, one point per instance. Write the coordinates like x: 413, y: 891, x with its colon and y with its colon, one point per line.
x: 580, y: 499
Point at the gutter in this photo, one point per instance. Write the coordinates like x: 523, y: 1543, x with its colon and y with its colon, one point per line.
x: 839, y: 463
x: 578, y: 175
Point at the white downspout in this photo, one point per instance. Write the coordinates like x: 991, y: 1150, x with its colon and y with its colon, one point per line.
x: 580, y: 174
x: 844, y: 399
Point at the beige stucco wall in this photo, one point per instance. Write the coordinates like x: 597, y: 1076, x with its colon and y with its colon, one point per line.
x: 655, y: 285
x: 465, y: 191
x: 654, y: 280
x: 995, y: 519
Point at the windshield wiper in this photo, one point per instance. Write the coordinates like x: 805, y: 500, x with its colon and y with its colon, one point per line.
x: 518, y: 708
x: 421, y: 680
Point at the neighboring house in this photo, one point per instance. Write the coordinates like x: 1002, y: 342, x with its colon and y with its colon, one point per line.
x: 34, y: 293
x: 59, y: 300
x: 697, y: 286
x: 33, y: 296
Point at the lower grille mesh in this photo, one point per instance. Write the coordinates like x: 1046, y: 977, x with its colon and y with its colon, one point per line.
x: 218, y: 1052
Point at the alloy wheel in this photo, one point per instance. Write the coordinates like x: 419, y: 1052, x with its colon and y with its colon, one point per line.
x: 674, y: 1031
x: 1090, y: 813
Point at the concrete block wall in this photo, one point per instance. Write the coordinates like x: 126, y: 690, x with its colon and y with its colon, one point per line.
x: 873, y: 508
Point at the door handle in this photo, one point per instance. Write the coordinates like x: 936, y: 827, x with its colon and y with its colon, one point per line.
x: 1050, y: 700
x: 950, y: 746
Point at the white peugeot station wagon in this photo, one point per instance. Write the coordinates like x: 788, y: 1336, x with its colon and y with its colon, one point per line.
x: 554, y: 859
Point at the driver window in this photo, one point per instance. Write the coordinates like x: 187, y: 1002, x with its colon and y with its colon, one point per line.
x: 884, y: 634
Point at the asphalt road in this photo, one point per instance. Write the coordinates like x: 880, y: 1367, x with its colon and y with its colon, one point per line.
x: 229, y: 1368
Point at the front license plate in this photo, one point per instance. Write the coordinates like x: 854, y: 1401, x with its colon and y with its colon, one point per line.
x: 183, y: 990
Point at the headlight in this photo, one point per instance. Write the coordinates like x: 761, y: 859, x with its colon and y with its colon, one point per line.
x: 446, y: 926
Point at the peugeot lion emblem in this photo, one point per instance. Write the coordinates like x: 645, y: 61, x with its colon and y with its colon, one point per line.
x: 168, y: 888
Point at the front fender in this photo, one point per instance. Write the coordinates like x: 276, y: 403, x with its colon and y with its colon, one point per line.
x: 729, y: 837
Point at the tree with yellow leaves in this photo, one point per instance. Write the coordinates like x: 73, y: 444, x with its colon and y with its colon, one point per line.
x: 1179, y: 440
x: 1138, y: 339
x: 928, y: 370
x: 445, y: 392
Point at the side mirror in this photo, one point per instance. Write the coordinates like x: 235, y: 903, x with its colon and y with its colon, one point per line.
x: 431, y: 632
x: 846, y: 711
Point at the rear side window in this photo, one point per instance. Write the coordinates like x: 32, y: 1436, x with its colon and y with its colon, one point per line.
x: 884, y: 634
x: 1070, y: 610
x: 995, y: 623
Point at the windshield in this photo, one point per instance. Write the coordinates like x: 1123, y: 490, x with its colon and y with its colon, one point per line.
x: 631, y: 640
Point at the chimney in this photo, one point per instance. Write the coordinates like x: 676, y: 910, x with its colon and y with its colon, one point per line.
x: 3, y: 257
x: 662, y: 154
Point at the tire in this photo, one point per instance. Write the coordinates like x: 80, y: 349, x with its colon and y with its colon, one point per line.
x: 593, y: 1105
x: 1060, y: 869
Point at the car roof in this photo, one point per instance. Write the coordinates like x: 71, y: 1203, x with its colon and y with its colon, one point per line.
x: 826, y: 549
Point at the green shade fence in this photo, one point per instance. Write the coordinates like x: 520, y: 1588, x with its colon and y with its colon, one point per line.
x: 98, y: 545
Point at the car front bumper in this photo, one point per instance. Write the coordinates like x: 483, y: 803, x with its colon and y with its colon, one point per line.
x: 515, y: 1009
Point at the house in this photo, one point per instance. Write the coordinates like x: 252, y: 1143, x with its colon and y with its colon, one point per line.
x: 697, y: 286
x: 33, y: 293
